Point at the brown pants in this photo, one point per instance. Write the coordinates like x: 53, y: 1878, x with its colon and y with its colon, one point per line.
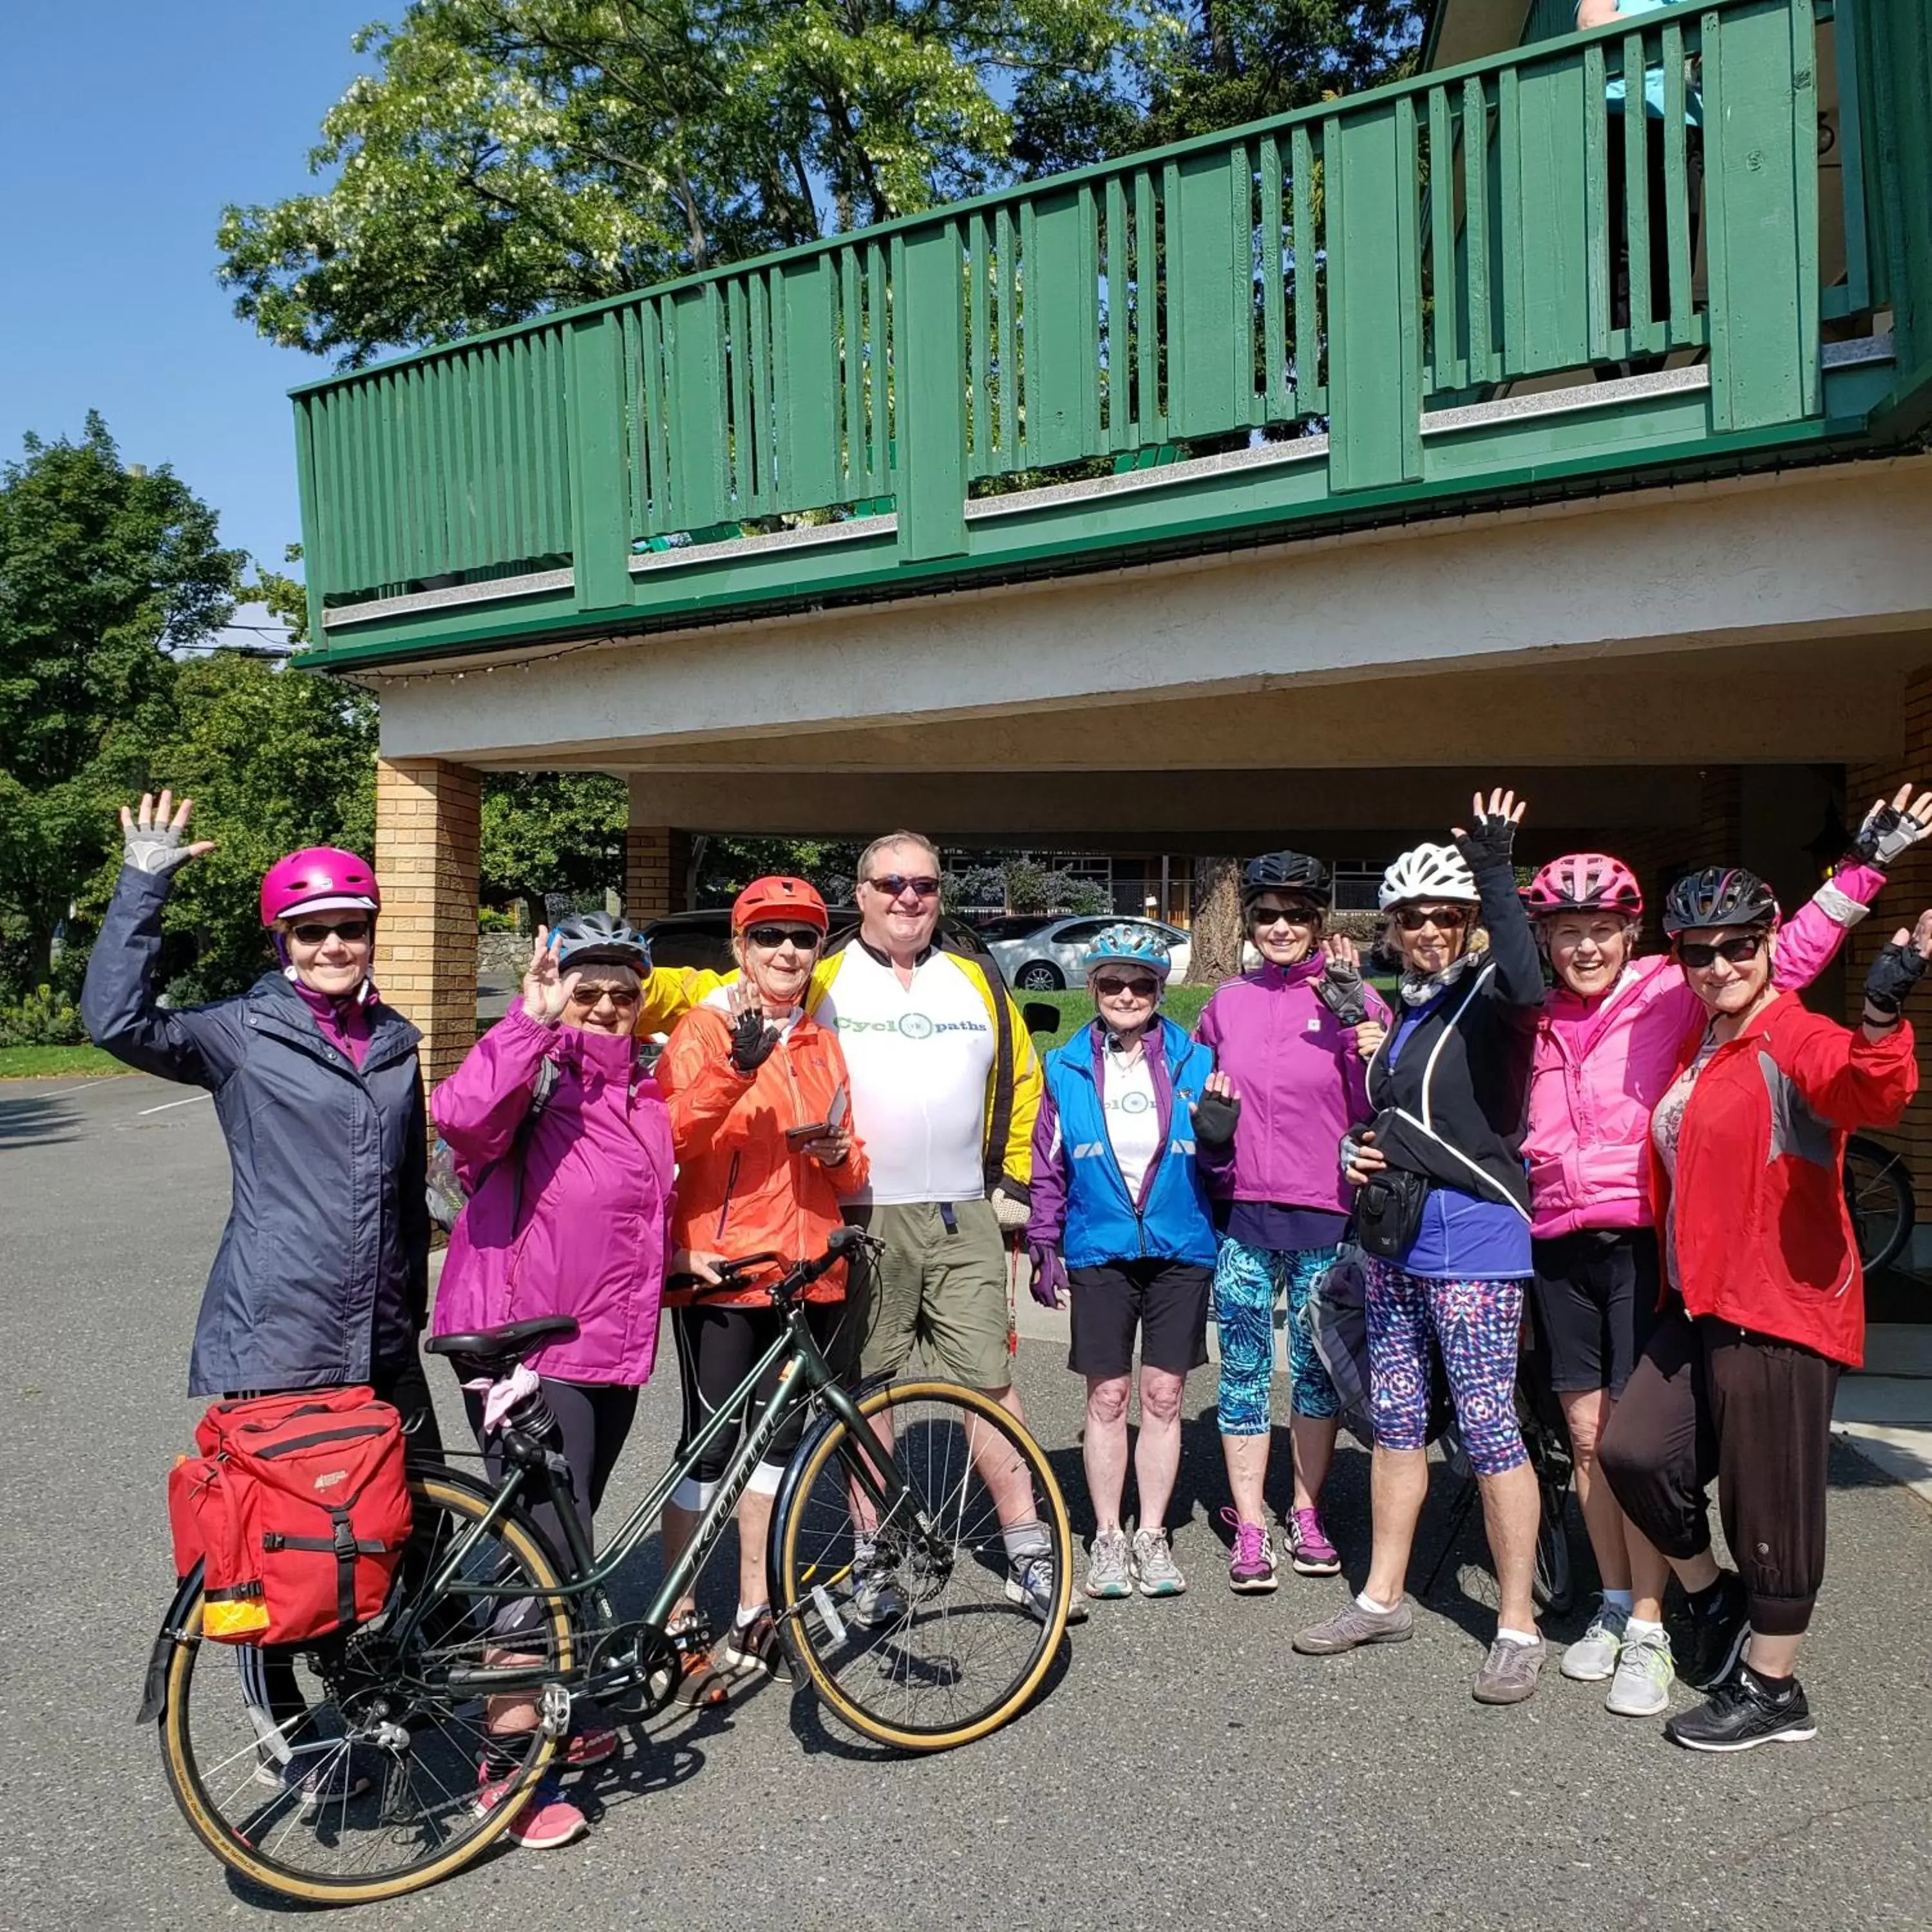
x: 1709, y: 1399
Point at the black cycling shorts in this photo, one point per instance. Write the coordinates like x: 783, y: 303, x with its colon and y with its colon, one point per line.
x: 1166, y: 1301
x: 1596, y: 1304
x: 717, y: 1348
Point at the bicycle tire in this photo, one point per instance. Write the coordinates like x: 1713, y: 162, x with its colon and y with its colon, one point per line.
x: 1552, y: 1581
x: 439, y: 1496
x: 1879, y: 1197
x: 868, y: 1684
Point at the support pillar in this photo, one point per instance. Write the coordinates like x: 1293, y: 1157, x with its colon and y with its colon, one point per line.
x: 428, y: 828
x: 657, y: 871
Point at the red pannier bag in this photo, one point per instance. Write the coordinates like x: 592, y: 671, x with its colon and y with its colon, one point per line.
x: 298, y: 1508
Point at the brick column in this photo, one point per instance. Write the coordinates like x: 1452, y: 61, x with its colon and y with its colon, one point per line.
x: 1908, y: 893
x: 657, y: 865
x: 427, y: 829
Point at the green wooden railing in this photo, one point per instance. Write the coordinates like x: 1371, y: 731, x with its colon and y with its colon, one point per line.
x: 1339, y: 271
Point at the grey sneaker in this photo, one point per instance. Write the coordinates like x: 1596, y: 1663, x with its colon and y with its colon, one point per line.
x: 1155, y: 1569
x: 1644, y: 1668
x: 1109, y: 1568
x: 1351, y: 1625
x: 1593, y: 1655
x: 1029, y: 1584
x: 1510, y: 1672
x: 876, y: 1597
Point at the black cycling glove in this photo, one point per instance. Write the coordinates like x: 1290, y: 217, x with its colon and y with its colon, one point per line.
x: 1894, y: 974
x: 1341, y: 991
x: 751, y: 1041
x: 1214, y: 1117
x: 1488, y: 843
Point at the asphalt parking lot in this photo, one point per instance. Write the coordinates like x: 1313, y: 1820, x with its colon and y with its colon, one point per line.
x: 1187, y: 1768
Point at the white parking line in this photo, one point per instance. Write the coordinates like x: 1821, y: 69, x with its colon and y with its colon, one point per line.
x: 167, y: 1104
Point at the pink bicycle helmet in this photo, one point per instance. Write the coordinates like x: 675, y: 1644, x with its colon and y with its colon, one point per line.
x: 319, y: 878
x: 1584, y: 882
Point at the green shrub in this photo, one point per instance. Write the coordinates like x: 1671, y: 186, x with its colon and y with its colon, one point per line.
x: 41, y: 1018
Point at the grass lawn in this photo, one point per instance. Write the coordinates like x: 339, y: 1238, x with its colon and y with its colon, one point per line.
x: 48, y: 1062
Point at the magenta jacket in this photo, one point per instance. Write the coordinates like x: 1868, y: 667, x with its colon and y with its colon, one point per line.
x: 1602, y: 1065
x: 593, y: 1232
x: 1301, y: 1083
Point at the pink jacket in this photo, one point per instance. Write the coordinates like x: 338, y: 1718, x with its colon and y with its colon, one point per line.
x: 593, y: 1232
x: 1601, y: 1067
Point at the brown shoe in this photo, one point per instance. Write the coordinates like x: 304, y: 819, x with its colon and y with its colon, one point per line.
x: 1352, y: 1626
x: 1509, y: 1673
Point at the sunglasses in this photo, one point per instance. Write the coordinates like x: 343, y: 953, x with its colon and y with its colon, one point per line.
x: 1444, y: 918
x: 894, y: 883
x: 313, y: 932
x: 1698, y: 957
x: 1141, y: 989
x: 1264, y: 916
x: 621, y: 997
x: 771, y: 937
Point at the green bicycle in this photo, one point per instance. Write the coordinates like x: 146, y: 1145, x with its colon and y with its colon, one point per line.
x: 369, y: 1789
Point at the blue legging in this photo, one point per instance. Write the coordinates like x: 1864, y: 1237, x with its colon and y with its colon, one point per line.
x: 1246, y: 1281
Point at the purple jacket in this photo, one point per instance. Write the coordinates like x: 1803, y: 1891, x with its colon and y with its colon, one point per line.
x: 1301, y: 1083
x: 592, y: 1238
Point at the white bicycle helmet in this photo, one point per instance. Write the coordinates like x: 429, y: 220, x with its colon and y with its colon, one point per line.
x: 1428, y: 872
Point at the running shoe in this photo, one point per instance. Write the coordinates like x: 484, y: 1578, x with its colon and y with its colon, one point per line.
x: 1251, y: 1564
x: 1715, y: 1640
x: 1109, y: 1566
x: 320, y: 1775
x: 545, y: 1820
x: 1740, y: 1714
x: 876, y: 1597
x: 1510, y: 1672
x: 1352, y: 1626
x: 1309, y: 1549
x: 750, y: 1649
x: 1593, y: 1656
x: 1641, y: 1688
x: 1029, y: 1582
x: 1155, y: 1569
x: 697, y: 1684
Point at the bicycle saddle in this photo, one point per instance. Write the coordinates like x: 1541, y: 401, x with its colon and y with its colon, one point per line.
x: 492, y: 1351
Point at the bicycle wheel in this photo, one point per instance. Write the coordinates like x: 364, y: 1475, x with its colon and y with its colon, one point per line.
x: 1878, y: 1191
x: 951, y: 1649
x: 1551, y: 1584
x: 356, y: 1777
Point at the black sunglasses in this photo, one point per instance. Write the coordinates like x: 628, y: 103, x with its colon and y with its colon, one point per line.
x: 1264, y: 916
x: 313, y: 932
x: 894, y: 883
x: 1144, y: 989
x: 1444, y: 918
x: 1696, y: 955
x: 771, y: 937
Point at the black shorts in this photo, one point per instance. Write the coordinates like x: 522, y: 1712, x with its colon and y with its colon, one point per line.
x: 717, y: 1348
x: 1596, y: 1304
x: 1167, y: 1301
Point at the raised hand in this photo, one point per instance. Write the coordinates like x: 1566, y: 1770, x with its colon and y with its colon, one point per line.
x: 151, y: 839
x: 1892, y: 828
x: 752, y: 1039
x: 1340, y: 988
x: 1896, y: 970
x: 1492, y: 837
x: 546, y: 991
x: 1217, y: 1111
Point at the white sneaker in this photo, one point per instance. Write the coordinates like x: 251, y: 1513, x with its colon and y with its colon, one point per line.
x: 1593, y: 1655
x: 1645, y: 1669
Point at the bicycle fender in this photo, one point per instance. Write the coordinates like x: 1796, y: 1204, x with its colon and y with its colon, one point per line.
x: 154, y: 1688
x: 794, y: 1471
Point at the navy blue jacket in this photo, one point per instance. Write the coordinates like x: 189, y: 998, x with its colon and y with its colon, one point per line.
x: 324, y: 1263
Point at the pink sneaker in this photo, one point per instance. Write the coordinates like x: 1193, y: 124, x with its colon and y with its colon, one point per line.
x: 545, y: 1820
x: 1308, y: 1549
x: 1251, y: 1564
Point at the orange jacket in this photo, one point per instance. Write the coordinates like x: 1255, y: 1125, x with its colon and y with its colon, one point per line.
x: 741, y: 1188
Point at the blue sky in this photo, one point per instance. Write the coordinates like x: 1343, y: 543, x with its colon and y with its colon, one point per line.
x: 126, y: 128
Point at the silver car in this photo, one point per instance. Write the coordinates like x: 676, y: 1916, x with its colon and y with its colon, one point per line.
x: 1054, y: 955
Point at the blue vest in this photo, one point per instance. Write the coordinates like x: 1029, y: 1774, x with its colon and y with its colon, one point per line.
x: 1103, y: 1223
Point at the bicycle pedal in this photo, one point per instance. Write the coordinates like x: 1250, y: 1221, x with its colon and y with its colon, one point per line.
x: 553, y: 1711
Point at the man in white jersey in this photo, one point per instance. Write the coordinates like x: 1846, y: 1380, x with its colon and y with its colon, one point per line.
x: 945, y: 1087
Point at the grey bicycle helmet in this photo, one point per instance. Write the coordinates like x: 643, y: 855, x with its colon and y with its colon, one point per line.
x: 1286, y: 873
x: 596, y: 939
x: 1718, y: 896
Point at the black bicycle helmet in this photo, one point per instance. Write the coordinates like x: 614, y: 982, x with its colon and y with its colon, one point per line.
x: 1284, y: 872
x: 1718, y: 896
x: 596, y: 939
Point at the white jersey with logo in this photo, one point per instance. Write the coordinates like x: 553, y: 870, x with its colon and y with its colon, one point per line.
x: 919, y: 1058
x: 1133, y: 1119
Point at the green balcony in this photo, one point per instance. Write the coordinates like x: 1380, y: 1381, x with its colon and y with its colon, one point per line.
x: 1399, y: 305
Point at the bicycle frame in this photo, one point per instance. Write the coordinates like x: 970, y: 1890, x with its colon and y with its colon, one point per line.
x: 805, y: 1376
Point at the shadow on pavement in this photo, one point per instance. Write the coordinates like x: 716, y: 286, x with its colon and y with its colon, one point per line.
x: 34, y: 1119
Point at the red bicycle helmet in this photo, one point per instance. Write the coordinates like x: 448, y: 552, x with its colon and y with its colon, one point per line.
x: 1584, y: 882
x: 319, y: 878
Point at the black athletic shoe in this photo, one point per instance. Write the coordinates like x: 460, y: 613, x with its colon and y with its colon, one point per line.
x: 1740, y: 1714
x: 1713, y: 1642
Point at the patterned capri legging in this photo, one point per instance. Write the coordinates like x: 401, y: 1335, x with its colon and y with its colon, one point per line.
x: 1246, y: 1281
x: 1477, y: 1325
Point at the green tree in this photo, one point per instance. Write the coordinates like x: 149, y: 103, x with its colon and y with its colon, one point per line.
x: 508, y: 155
x: 552, y: 832
x: 725, y: 865
x: 104, y: 569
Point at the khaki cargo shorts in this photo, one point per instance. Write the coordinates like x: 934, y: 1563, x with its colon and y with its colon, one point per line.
x: 942, y: 1289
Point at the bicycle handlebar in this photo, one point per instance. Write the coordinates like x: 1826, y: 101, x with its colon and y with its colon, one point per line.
x: 841, y: 1242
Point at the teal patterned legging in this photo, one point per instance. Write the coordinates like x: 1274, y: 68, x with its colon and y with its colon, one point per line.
x: 1246, y: 1281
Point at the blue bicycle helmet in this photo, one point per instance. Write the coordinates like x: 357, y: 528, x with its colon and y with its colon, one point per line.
x: 596, y: 939
x: 1130, y: 945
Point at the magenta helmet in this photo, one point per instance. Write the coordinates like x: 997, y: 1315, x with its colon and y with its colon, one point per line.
x: 1584, y: 882
x: 318, y: 878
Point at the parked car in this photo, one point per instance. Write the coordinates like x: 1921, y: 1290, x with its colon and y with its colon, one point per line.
x: 1011, y: 924
x: 1054, y: 956
x: 704, y: 939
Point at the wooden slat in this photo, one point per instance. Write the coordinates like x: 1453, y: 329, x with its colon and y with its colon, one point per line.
x: 1149, y: 409
x: 1310, y: 390
x: 1485, y: 364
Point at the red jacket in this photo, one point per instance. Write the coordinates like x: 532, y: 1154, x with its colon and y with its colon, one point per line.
x: 1763, y: 1236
